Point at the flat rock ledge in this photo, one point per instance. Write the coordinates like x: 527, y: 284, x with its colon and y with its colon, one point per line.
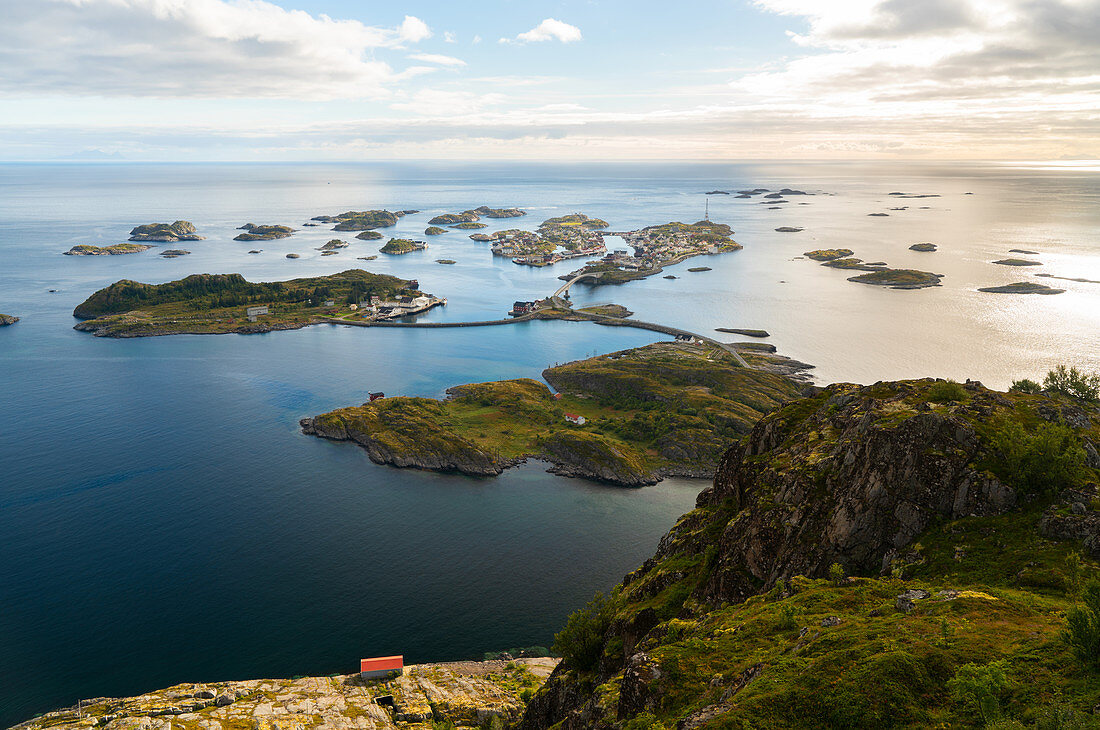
x: 465, y: 694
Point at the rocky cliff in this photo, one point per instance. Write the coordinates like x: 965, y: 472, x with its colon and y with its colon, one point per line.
x: 845, y: 543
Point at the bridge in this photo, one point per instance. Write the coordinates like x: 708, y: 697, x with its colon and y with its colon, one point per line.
x: 565, y: 287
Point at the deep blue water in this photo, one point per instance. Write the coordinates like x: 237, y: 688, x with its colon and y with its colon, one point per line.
x: 163, y: 520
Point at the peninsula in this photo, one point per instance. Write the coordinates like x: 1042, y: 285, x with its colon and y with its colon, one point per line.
x: 627, y: 418
x: 166, y: 232
x: 225, y: 303
x: 117, y: 249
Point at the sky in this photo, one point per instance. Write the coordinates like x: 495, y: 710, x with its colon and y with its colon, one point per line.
x: 267, y: 80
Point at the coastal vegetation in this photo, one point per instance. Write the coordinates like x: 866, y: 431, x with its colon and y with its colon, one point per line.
x: 399, y: 246
x: 958, y: 594
x: 216, y: 303
x: 165, y: 232
x: 253, y: 232
x: 667, y: 408
x: 85, y: 249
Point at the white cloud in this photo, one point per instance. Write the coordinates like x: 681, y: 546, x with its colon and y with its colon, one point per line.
x: 437, y: 58
x: 449, y: 37
x: 477, y: 39
x: 548, y: 30
x: 192, y: 48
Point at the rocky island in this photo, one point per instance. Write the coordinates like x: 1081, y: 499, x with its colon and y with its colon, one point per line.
x: 225, y: 303
x: 450, y: 219
x: 434, y: 231
x: 400, y: 246
x: 7, y: 319
x: 861, y: 557
x: 362, y: 220
x: 253, y: 232
x: 628, y: 418
x: 470, y: 226
x: 1022, y: 287
x: 369, y: 236
x: 166, y: 232
x: 455, y: 220
x: 117, y: 249
x: 923, y: 247
x: 828, y: 254
x: 899, y: 278
x: 1018, y: 262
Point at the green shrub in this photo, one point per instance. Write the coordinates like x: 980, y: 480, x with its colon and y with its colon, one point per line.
x: 1074, y: 383
x: 836, y: 573
x: 1083, y: 626
x: 1038, y: 460
x: 1025, y: 386
x: 788, y: 614
x: 946, y: 391
x: 981, y: 687
x: 581, y: 641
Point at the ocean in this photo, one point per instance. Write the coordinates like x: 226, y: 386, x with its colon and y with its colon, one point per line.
x: 163, y: 520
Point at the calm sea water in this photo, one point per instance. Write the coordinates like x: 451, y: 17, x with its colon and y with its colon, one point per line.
x: 162, y: 520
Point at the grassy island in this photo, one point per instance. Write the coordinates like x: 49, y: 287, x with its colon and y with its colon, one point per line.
x: 253, y: 232
x: 399, y: 246
x: 499, y: 212
x: 852, y: 263
x: 1022, y: 287
x: 470, y: 226
x: 828, y: 254
x: 369, y: 236
x: 434, y: 231
x: 899, y: 278
x: 923, y: 247
x: 1018, y: 262
x: 450, y: 219
x: 165, y: 232
x: 117, y: 249
x: 7, y: 319
x: 575, y: 219
x: 663, y: 409
x: 219, y: 303
x: 364, y: 220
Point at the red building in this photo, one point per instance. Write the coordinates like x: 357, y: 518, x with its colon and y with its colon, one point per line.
x: 381, y: 666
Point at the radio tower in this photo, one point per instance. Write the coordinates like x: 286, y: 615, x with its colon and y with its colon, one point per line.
x: 706, y: 210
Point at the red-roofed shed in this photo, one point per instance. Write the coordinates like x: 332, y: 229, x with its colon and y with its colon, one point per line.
x: 381, y: 666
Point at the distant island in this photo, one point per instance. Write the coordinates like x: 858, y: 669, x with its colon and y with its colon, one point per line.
x: 434, y: 231
x: 1022, y: 287
x: 117, y: 249
x: 369, y: 236
x: 923, y: 247
x: 165, y: 232
x: 400, y: 246
x: 252, y: 232
x: 225, y: 303
x: 627, y: 418
x: 469, y: 226
x: 472, y: 215
x: 828, y: 254
x: 363, y: 220
x: 899, y: 278
x: 7, y: 319
x: 1018, y: 262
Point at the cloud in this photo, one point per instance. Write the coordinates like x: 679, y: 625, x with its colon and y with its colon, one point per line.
x: 449, y: 37
x: 437, y: 58
x: 548, y: 30
x: 192, y: 48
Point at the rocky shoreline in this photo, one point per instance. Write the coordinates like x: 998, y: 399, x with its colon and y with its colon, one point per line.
x: 469, y: 694
x: 7, y: 319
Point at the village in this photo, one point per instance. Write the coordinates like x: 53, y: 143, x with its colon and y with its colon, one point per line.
x: 548, y: 245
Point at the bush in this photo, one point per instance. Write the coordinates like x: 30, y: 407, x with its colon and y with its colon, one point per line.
x: 1025, y: 386
x: 1039, y: 460
x: 1083, y: 626
x: 836, y: 574
x: 1074, y: 383
x: 787, y: 617
x: 581, y: 641
x: 946, y: 391
x: 981, y: 686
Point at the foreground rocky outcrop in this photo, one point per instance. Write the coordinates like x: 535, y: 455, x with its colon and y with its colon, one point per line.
x: 464, y: 694
x: 949, y: 508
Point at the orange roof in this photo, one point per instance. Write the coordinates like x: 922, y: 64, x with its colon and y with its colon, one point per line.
x: 382, y: 663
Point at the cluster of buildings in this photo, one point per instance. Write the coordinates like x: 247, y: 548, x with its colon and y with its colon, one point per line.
x: 530, y: 248
x: 659, y: 245
x: 379, y: 309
